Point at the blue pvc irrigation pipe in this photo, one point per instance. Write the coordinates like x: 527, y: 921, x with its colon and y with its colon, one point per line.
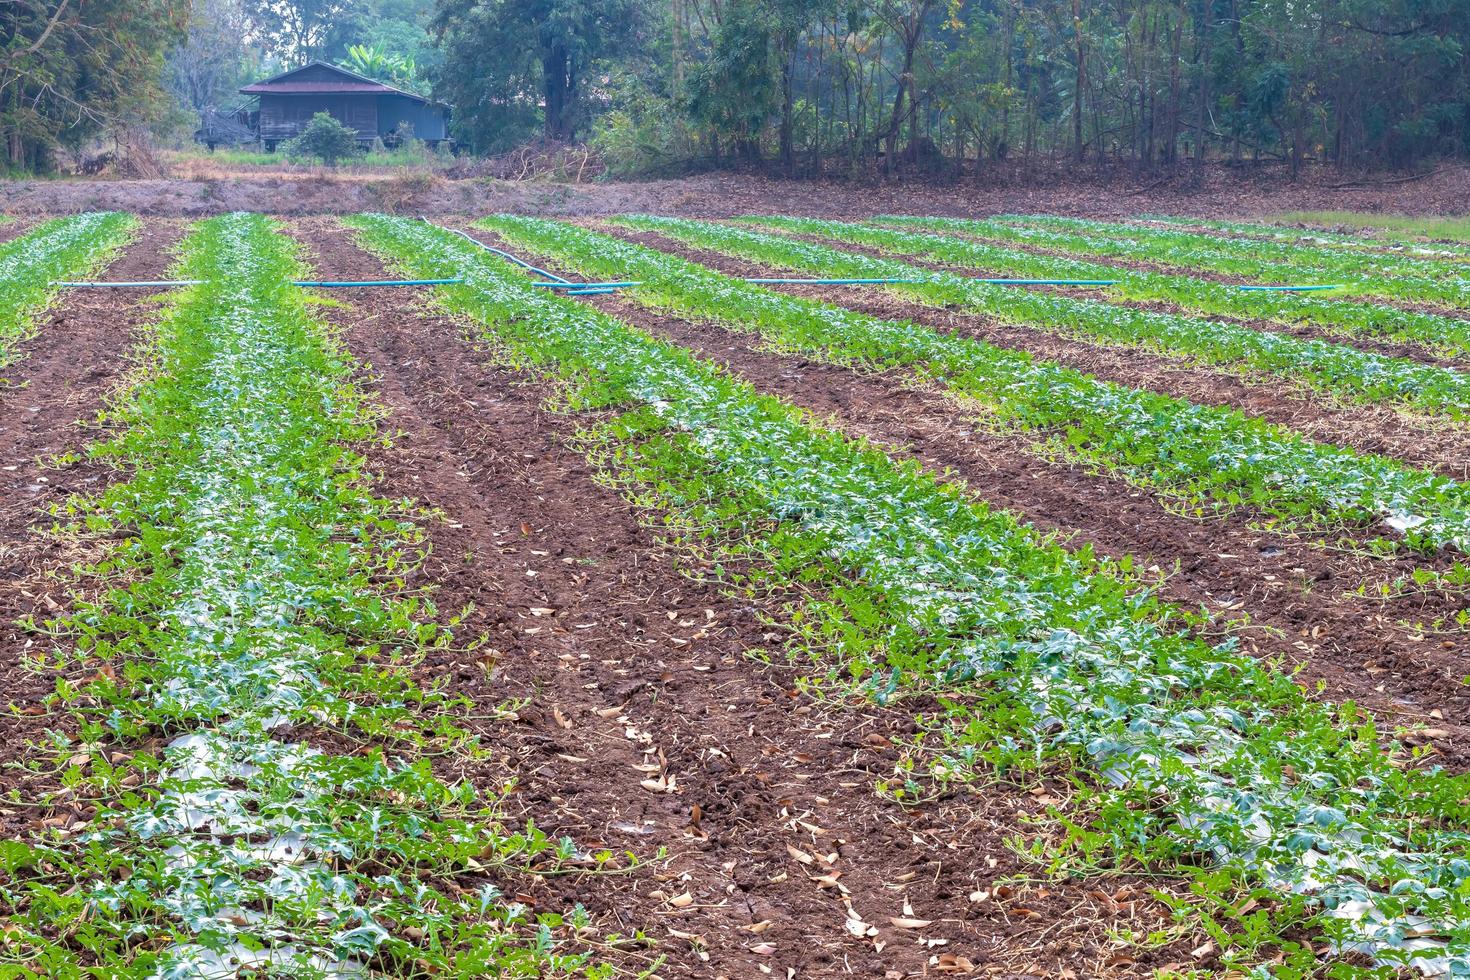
x: 847, y: 282
x: 294, y: 282
x: 500, y: 252
x: 589, y: 285
x: 828, y: 282
x: 759, y: 282
x: 594, y: 288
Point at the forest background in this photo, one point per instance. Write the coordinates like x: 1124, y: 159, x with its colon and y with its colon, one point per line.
x: 843, y: 88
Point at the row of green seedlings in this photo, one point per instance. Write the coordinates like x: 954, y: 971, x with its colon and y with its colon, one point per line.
x: 1369, y: 239
x: 255, y: 611
x: 948, y: 241
x: 1232, y: 242
x: 1049, y: 658
x: 1339, y: 371
x: 56, y: 250
x: 1201, y: 453
x: 1361, y: 274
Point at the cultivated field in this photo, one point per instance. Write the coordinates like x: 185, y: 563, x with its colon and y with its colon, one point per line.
x: 1017, y: 596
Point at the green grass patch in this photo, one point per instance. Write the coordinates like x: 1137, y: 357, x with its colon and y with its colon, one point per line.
x: 1389, y: 227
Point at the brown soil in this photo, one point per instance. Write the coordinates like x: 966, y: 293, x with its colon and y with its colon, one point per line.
x: 1304, y: 331
x: 634, y: 670
x: 1224, y: 192
x: 1433, y: 444
x: 78, y: 355
x: 1290, y: 589
x: 11, y: 230
x: 1211, y: 275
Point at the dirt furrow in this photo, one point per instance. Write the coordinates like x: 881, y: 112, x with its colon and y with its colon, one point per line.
x: 1303, y: 331
x: 1439, y: 445
x: 78, y: 355
x: 14, y: 228
x: 1291, y: 590
x: 641, y: 722
x: 1212, y: 275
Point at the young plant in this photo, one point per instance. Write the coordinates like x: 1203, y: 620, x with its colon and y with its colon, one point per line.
x: 255, y: 618
x: 1427, y: 238
x: 60, y: 249
x: 1334, y: 369
x: 1208, y: 754
x: 1365, y: 274
x: 1203, y: 453
x: 953, y: 245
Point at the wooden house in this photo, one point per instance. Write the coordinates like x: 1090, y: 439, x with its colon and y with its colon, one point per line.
x: 375, y: 110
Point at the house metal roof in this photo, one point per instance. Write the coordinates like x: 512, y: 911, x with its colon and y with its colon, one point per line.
x: 351, y: 83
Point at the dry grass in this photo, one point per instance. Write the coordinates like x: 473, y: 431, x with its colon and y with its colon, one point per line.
x: 1394, y: 227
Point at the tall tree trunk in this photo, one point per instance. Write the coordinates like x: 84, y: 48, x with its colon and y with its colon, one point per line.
x: 911, y: 31
x: 556, y: 70
x: 1145, y: 120
x: 896, y: 119
x: 1202, y: 111
x: 1079, y: 149
x: 1002, y: 145
x: 788, y: 106
x: 814, y: 92
x: 678, y: 16
x: 1176, y: 45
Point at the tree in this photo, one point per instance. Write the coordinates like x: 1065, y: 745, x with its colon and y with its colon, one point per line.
x: 509, y: 63
x: 397, y: 28
x: 211, y: 64
x: 70, y: 70
x: 907, y: 21
x: 735, y: 92
x: 376, y: 62
x: 295, y: 31
x: 326, y: 138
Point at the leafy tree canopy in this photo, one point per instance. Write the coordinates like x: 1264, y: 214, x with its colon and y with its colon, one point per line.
x: 376, y: 61
x: 509, y: 65
x: 70, y: 70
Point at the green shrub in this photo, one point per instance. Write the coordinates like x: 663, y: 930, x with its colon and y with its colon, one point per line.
x: 325, y: 138
x: 644, y: 135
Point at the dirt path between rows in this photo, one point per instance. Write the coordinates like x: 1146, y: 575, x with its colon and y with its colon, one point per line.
x: 79, y: 354
x: 1295, y: 591
x: 13, y: 229
x: 645, y: 724
x: 1442, y: 446
x: 1302, y: 331
x: 1220, y: 191
x: 1226, y: 278
x: 1291, y: 591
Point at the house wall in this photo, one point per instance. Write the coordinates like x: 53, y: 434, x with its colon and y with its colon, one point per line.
x: 427, y: 120
x: 285, y: 116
